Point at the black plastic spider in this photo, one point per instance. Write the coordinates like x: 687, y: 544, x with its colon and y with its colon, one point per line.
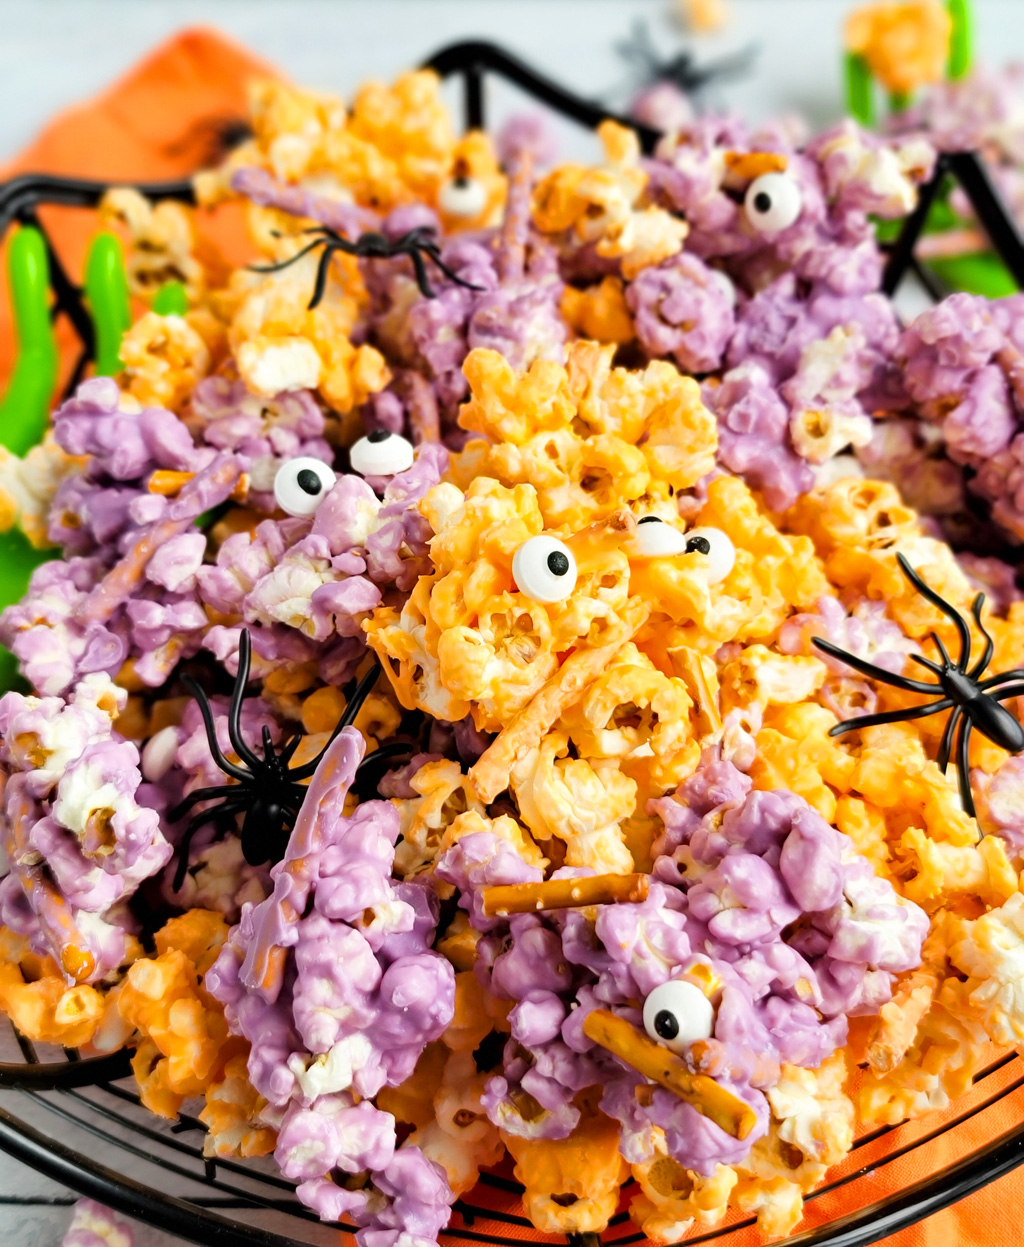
x: 418, y: 244
x: 640, y: 52
x: 268, y: 792
x: 963, y: 691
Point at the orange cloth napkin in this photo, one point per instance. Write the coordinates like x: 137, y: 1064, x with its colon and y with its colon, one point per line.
x: 161, y: 120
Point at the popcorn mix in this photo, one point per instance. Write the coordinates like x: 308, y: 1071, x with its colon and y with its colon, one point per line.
x: 506, y: 695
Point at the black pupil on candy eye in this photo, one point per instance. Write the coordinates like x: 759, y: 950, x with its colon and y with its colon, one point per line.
x: 650, y: 519
x: 308, y: 481
x: 666, y: 1024
x: 461, y: 180
x: 762, y: 201
x: 698, y: 545
x: 378, y: 435
x: 558, y: 563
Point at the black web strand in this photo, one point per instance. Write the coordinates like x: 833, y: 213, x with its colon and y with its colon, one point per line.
x: 891, y: 716
x: 947, y: 609
x: 876, y: 673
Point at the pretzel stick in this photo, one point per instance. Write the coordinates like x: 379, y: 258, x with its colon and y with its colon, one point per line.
x: 528, y: 898
x: 490, y: 775
x: 53, y: 912
x: 511, y: 258
x: 697, y: 685
x: 273, y: 921
x: 424, y: 419
x: 166, y: 482
x: 207, y: 488
x: 657, y: 1063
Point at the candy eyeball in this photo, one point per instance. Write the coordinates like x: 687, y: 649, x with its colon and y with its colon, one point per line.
x: 462, y: 196
x: 677, y: 1014
x: 656, y: 539
x: 544, y: 569
x: 381, y: 453
x: 302, y: 484
x: 720, y: 552
x: 772, y: 202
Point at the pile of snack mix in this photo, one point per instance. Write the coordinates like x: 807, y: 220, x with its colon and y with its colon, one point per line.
x: 612, y: 900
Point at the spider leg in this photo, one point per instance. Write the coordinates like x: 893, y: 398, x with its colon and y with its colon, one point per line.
x: 1012, y: 690
x: 963, y: 773
x: 325, y: 232
x: 986, y: 657
x: 322, y: 270
x: 213, y: 793
x: 1016, y: 674
x: 874, y: 720
x: 268, y: 746
x: 205, y: 816
x: 927, y: 662
x: 355, y: 703
x: 202, y: 702
x: 876, y: 673
x: 435, y: 255
x: 946, y: 747
x: 235, y: 709
x: 942, y: 649
x: 422, y: 280
x: 292, y: 259
x: 289, y: 750
x: 384, y: 753
x: 949, y: 611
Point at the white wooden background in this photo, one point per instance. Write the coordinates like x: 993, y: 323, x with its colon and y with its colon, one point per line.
x: 57, y: 52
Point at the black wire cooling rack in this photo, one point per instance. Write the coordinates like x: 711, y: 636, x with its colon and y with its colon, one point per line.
x: 57, y: 1111
x: 58, y: 1127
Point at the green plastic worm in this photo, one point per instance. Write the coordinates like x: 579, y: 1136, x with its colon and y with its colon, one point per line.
x: 106, y: 289
x: 25, y: 409
x: 860, y: 90
x: 171, y: 299
x: 961, y: 39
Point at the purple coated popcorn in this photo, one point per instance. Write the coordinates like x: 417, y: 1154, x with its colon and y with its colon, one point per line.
x: 78, y: 841
x: 683, y: 309
x: 333, y: 981
x: 513, y: 309
x: 263, y: 432
x: 753, y: 894
x: 95, y: 1225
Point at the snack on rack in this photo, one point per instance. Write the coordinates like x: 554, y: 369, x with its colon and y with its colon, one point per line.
x: 585, y: 878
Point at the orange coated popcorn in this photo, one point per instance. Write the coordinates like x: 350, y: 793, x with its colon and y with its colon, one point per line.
x: 905, y: 42
x: 572, y: 1185
x: 185, y: 1038
x: 606, y: 206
